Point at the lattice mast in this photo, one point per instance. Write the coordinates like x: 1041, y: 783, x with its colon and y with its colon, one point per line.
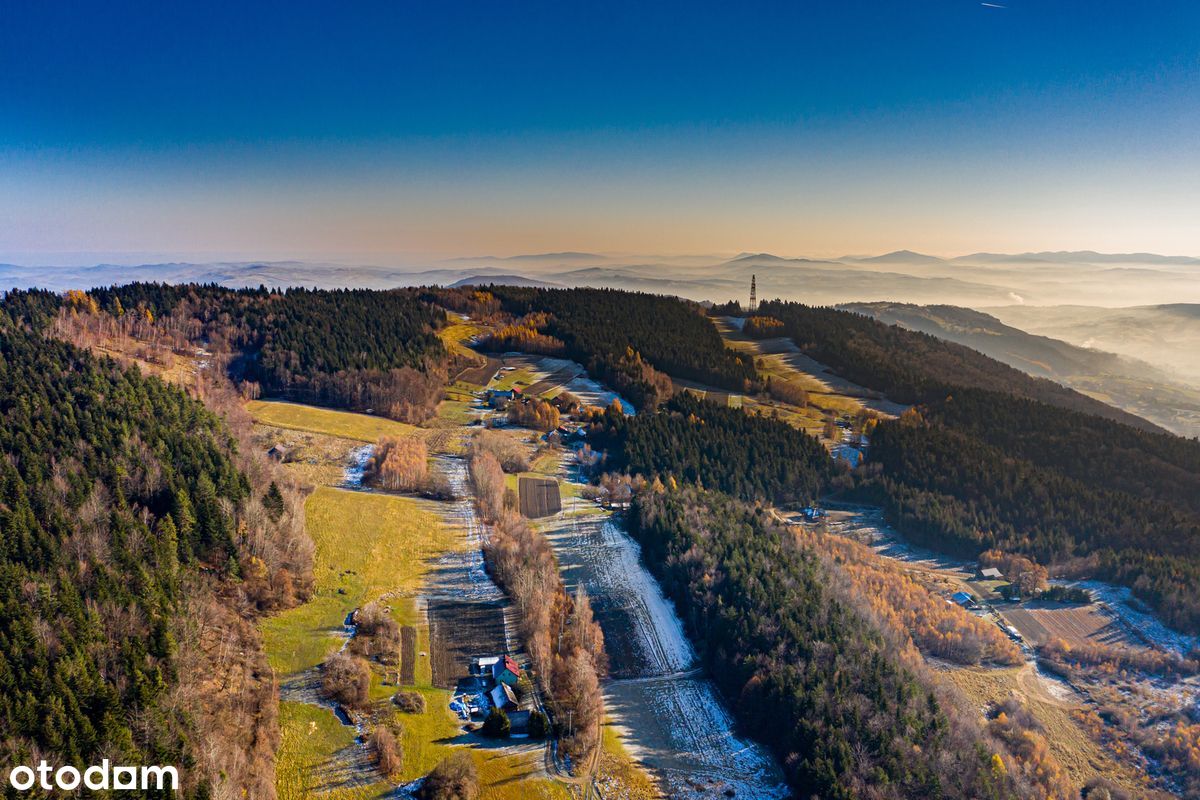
x: 753, y: 294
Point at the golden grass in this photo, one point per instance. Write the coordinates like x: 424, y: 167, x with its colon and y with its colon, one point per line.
x: 317, y: 459
x: 455, y: 335
x: 367, y: 545
x: 348, y: 425
x: 518, y: 377
x: 1081, y: 756
x: 310, y: 737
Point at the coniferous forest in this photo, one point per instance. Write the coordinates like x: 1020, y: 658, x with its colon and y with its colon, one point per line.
x: 612, y: 332
x: 913, y: 367
x: 805, y: 673
x: 124, y: 507
x: 993, y: 458
x: 699, y: 442
x: 351, y: 348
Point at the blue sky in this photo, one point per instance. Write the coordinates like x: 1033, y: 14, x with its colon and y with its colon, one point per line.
x: 396, y: 131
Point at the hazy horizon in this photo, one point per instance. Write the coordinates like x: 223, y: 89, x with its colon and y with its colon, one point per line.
x: 232, y: 132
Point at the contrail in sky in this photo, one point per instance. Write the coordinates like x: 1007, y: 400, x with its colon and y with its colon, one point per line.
x: 992, y: 5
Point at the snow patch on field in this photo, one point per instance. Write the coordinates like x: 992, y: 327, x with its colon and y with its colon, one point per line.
x: 1142, y: 625
x: 671, y: 718
x: 680, y: 728
x: 352, y: 476
x: 463, y: 573
x: 591, y: 392
x: 608, y: 563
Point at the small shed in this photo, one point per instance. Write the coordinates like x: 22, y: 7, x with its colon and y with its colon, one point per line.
x: 278, y: 452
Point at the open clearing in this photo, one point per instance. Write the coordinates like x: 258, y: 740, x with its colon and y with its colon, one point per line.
x: 347, y: 425
x: 1079, y: 754
x: 367, y: 546
x: 781, y: 359
x: 543, y: 376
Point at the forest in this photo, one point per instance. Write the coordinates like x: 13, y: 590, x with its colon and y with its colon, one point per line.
x: 357, y: 349
x: 993, y: 458
x: 832, y: 695
x: 625, y: 337
x: 697, y: 441
x: 912, y: 367
x: 134, y: 539
x: 952, y: 491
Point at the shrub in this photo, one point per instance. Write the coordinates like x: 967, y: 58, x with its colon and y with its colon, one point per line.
x: 1067, y: 594
x: 389, y: 756
x: 539, y: 726
x: 377, y: 633
x: 511, y: 455
x: 497, y: 724
x: 399, y: 463
x: 410, y: 702
x: 346, y: 679
x: 455, y: 778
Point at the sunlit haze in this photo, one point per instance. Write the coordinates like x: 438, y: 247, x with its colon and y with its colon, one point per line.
x: 401, y: 133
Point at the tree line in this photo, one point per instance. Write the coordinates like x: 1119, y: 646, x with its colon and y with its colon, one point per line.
x: 564, y: 641
x: 359, y: 349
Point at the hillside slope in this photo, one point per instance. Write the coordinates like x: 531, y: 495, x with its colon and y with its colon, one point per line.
x: 1127, y: 383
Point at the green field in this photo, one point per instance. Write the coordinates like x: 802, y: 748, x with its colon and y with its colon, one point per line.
x: 366, y: 545
x: 309, y: 736
x: 370, y: 546
x: 517, y: 377
x: 360, y: 427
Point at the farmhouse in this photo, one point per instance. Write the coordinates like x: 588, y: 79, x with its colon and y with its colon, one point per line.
x: 503, y: 697
x: 991, y: 574
x: 506, y: 671
x: 963, y: 599
x: 500, y: 398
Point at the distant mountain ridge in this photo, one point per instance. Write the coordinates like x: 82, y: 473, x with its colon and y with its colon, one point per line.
x: 1121, y: 381
x: 503, y: 280
x: 982, y: 280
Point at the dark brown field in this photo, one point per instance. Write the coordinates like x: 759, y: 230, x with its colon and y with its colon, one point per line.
x: 408, y: 655
x: 460, y: 631
x: 539, y: 497
x: 1076, y: 625
x: 480, y: 375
